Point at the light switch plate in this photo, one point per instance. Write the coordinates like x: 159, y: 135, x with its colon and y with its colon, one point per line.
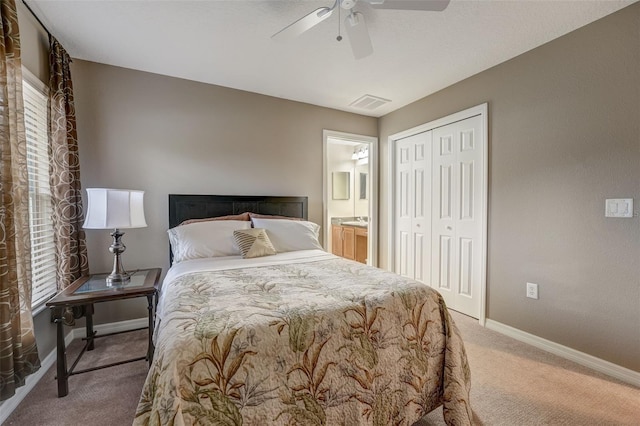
x: 532, y: 290
x: 619, y: 207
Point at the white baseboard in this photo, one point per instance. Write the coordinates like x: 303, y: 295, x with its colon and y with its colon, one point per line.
x: 12, y: 403
x: 597, y: 364
x: 112, y: 327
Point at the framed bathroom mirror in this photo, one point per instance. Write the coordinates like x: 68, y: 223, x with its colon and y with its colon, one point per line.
x: 340, y: 185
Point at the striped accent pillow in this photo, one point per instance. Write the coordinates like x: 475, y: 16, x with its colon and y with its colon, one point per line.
x: 253, y: 242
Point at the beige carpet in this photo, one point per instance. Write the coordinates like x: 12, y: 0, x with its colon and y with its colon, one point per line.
x: 512, y: 384
x: 102, y: 397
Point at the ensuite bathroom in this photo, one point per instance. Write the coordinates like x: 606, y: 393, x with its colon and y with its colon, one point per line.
x: 348, y: 199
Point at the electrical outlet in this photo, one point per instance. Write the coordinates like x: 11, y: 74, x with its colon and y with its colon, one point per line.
x: 532, y: 290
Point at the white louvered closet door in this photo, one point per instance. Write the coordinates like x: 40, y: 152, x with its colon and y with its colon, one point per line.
x: 457, y: 209
x: 413, y: 207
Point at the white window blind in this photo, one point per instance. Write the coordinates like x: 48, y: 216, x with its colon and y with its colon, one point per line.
x: 43, y: 260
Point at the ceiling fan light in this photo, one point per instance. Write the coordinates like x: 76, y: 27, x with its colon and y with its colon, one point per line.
x: 354, y: 22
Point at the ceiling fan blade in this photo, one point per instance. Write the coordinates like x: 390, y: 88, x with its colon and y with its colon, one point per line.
x: 303, y: 24
x: 428, y: 5
x: 358, y: 34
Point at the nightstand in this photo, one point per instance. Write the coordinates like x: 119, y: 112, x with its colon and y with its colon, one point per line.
x: 86, y: 291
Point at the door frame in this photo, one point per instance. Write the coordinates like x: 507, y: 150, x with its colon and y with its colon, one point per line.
x: 481, y: 110
x: 372, y: 141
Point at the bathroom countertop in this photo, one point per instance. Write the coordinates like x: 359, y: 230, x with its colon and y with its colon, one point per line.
x: 349, y: 221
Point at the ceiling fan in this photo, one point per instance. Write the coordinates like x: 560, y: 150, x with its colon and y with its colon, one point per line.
x: 354, y: 22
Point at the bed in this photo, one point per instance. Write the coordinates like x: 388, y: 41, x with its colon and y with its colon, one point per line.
x: 295, y: 337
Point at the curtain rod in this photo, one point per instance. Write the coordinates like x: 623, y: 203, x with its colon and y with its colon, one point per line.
x: 37, y: 19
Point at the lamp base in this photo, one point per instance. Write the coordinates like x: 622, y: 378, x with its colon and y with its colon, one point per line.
x: 118, y: 279
x: 118, y: 276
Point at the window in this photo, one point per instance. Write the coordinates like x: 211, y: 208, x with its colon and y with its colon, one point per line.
x: 43, y: 258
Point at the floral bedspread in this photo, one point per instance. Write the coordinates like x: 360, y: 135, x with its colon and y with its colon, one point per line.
x: 328, y: 342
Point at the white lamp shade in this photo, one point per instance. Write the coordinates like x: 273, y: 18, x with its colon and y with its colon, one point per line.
x: 114, y: 209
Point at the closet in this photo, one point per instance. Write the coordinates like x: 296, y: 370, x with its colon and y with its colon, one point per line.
x: 413, y: 206
x: 440, y: 210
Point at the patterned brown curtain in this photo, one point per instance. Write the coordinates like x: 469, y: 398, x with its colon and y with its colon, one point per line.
x: 71, y: 250
x: 18, y: 351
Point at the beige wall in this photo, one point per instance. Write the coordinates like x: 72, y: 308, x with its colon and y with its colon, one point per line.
x: 165, y: 135
x: 34, y: 43
x: 564, y: 136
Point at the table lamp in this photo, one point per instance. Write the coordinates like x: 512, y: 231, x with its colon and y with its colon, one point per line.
x: 115, y: 209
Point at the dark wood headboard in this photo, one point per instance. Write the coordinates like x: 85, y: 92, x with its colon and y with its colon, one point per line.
x: 183, y: 207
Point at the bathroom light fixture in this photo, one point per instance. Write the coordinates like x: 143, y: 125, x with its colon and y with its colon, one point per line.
x: 360, y: 153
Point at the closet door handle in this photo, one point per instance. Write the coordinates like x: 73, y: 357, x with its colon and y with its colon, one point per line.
x: 449, y: 228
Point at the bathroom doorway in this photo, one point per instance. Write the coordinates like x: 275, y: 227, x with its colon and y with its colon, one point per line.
x: 350, y: 196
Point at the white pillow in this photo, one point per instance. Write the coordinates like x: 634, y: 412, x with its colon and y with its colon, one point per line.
x: 290, y: 235
x: 205, y: 239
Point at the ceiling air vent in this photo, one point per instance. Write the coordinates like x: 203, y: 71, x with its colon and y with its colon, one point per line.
x: 368, y: 102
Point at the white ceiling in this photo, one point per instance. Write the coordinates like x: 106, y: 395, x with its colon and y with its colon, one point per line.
x: 228, y: 43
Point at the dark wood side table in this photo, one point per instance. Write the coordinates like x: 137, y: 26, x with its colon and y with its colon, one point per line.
x: 86, y: 291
